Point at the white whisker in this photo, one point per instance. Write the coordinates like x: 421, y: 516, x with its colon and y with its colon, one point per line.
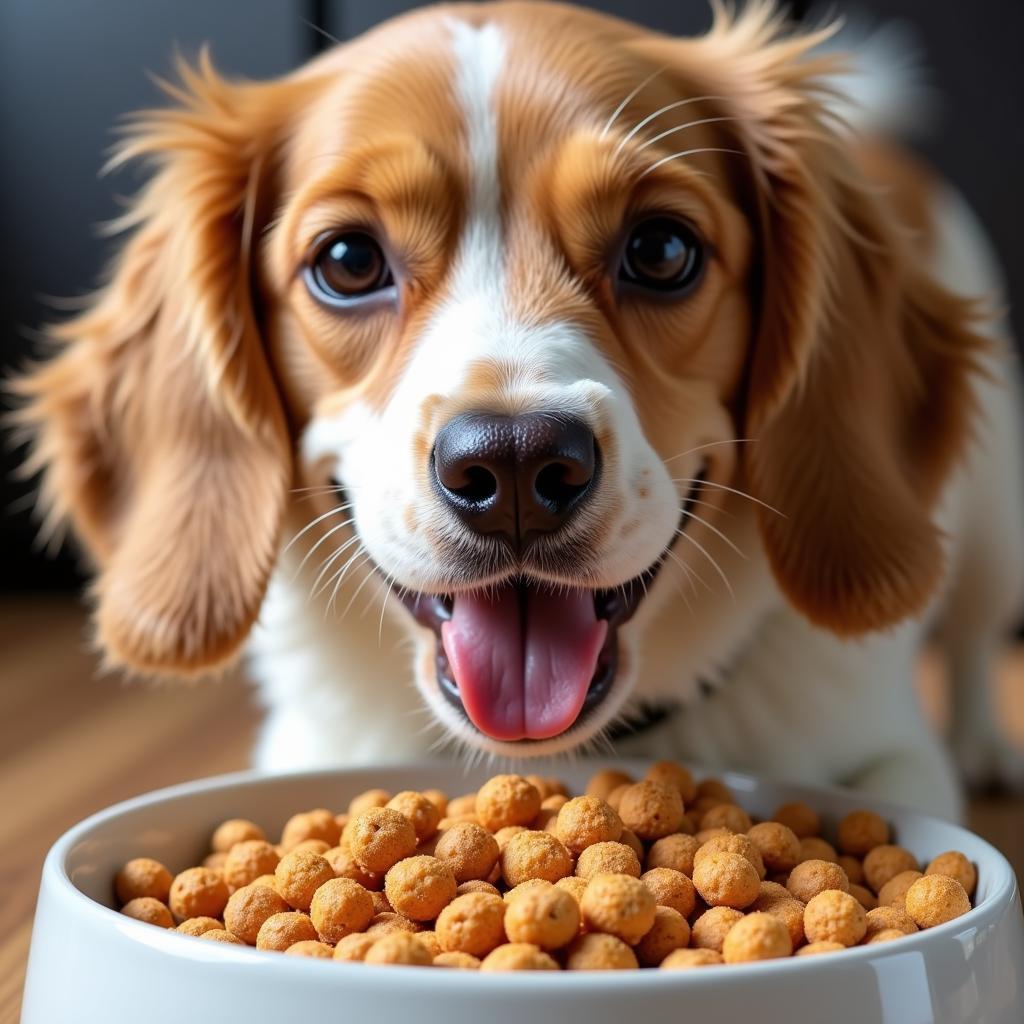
x: 690, y: 152
x: 713, y: 529
x: 640, y: 125
x: 710, y: 444
x: 316, y: 590
x: 731, y: 490
x: 625, y: 103
x: 689, y: 569
x: 326, y: 536
x: 700, y: 547
x: 344, y: 572
x: 681, y: 128
x: 309, y: 526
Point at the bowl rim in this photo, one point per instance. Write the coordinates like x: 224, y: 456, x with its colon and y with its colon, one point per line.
x: 1003, y: 895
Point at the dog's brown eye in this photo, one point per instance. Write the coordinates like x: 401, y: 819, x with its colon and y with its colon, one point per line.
x: 348, y: 266
x: 662, y: 254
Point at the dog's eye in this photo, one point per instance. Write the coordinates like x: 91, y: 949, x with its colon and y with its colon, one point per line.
x: 348, y: 266
x: 662, y: 254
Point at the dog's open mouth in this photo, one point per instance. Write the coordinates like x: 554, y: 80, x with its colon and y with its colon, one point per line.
x: 527, y: 661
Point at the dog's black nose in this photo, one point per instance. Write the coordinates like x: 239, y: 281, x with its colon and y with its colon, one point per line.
x: 519, y: 476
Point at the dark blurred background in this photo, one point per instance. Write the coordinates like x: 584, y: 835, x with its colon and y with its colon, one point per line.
x: 69, y: 68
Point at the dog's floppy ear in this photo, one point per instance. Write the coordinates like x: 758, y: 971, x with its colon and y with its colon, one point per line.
x: 859, y: 389
x: 158, y: 427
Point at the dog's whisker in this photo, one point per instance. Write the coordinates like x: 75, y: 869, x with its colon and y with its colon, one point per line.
x: 316, y: 590
x: 682, y: 128
x: 682, y: 154
x: 731, y: 490
x: 710, y: 444
x: 390, y: 584
x: 309, y: 526
x: 363, y: 557
x: 690, y: 571
x: 625, y: 103
x: 714, y: 529
x: 640, y: 125
x: 309, y: 554
x: 704, y: 551
x: 339, y: 575
x: 369, y: 575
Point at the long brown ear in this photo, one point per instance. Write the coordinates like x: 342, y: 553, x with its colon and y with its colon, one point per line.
x: 860, y: 382
x: 158, y: 427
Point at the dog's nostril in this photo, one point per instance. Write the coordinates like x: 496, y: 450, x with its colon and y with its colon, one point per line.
x: 480, y: 484
x: 559, y: 483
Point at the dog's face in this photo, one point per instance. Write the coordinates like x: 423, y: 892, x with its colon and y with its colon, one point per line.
x: 507, y: 287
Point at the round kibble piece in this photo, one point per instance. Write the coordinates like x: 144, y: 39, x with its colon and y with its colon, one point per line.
x: 346, y: 866
x: 530, y: 883
x: 955, y: 865
x: 587, y: 820
x: 814, y: 948
x: 420, y: 887
x: 894, y: 892
x: 148, y: 910
x: 460, y: 961
x: 534, y: 855
x: 651, y: 810
x: 835, y: 916
x: 460, y: 805
x: 864, y: 896
x: 607, y: 858
x: 320, y: 846
x: 518, y: 956
x: 886, y: 918
x: 469, y: 850
x: 248, y: 908
x: 548, y: 918
x: 810, y: 877
x: 198, y: 892
x: 195, y: 926
x: 339, y: 908
x: 573, y: 885
x: 685, y: 959
x: 221, y: 935
x: 370, y: 798
x: 710, y: 929
x: 602, y: 783
x: 299, y: 874
x: 318, y: 824
x: 311, y: 948
x: 861, y: 831
x: 386, y: 922
x: 474, y: 924
x: 280, y: 931
x: 885, y: 862
x: 354, y: 947
x: 885, y: 935
x: 674, y: 774
x: 596, y: 951
x: 232, y: 831
x: 142, y: 876
x: 729, y: 816
x: 726, y: 880
x: 800, y: 818
x: 671, y: 889
x: 506, y: 800
x: 854, y: 869
x: 248, y: 860
x: 619, y: 905
x: 732, y: 843
x: 675, y: 851
x: 439, y: 799
x: 399, y: 948
x: 778, y: 845
x: 935, y: 899
x: 476, y: 885
x: 419, y: 809
x: 758, y: 936
x: 380, y: 837
x: 816, y: 848
x: 429, y: 939
x: 669, y: 932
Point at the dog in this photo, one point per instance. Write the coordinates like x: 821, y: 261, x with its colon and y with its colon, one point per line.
x: 518, y: 378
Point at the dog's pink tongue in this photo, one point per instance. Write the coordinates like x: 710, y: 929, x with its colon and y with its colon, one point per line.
x: 523, y: 666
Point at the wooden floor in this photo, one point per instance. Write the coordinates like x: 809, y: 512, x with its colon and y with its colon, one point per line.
x: 71, y: 743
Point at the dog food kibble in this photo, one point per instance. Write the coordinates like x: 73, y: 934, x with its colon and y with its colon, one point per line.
x: 809, y: 878
x: 651, y: 810
x: 726, y: 879
x: 142, y: 876
x: 894, y: 892
x: 758, y: 936
x: 198, y: 892
x: 534, y: 855
x: 861, y: 831
x: 420, y: 887
x: 380, y: 837
x: 597, y: 951
x: 936, y: 899
x: 607, y: 858
x: 149, y: 910
x: 835, y: 916
x: 280, y: 931
x: 524, y: 875
x: 248, y: 908
x: 469, y: 850
x: 507, y: 800
x: 548, y: 918
x: 684, y: 959
x: 299, y: 874
x: 952, y: 864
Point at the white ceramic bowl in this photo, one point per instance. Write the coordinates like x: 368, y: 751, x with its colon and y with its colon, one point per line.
x: 91, y: 965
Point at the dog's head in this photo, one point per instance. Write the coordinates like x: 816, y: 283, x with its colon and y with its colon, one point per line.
x: 505, y: 286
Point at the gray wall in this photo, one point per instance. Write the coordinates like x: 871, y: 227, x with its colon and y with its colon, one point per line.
x: 69, y: 68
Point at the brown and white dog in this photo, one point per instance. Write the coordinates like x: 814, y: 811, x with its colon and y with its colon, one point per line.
x: 603, y: 367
